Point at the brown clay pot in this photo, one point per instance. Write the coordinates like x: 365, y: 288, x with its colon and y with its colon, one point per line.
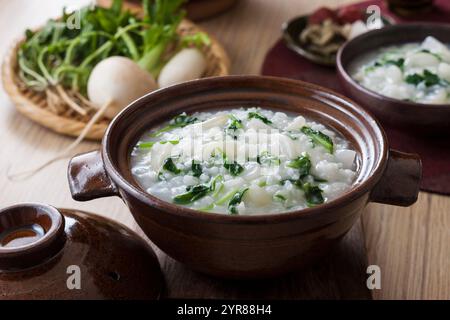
x: 41, y: 247
x: 246, y: 246
x: 419, y: 118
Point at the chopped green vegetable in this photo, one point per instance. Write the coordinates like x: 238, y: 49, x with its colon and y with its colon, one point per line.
x: 196, y: 192
x: 303, y: 164
x: 386, y: 61
x: 414, y: 79
x: 213, y: 184
x: 234, y: 168
x: 432, y: 53
x: 266, y: 158
x: 146, y: 145
x: 318, y: 137
x: 180, y: 121
x: 399, y: 62
x: 233, y: 125
x: 262, y: 183
x: 236, y: 199
x: 280, y: 197
x: 428, y: 77
x: 150, y: 144
x: 208, y: 207
x: 161, y: 177
x: 226, y: 197
x: 216, y: 190
x: 256, y: 115
x: 174, y: 142
x: 196, y: 169
x: 169, y: 165
x: 313, y: 194
x: 193, y: 193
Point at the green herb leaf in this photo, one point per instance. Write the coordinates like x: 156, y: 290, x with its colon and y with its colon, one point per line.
x: 256, y: 115
x: 266, y: 158
x: 432, y: 53
x: 196, y: 169
x: 236, y: 199
x: 173, y: 142
x: 169, y: 165
x: 399, y: 62
x: 233, y: 125
x: 180, y: 121
x: 150, y: 144
x: 226, y: 197
x: 193, y: 193
x: 161, y: 177
x: 319, y: 138
x: 234, y: 168
x: 313, y: 194
x: 280, y: 197
x: 213, y: 185
x: 198, y: 191
x: 146, y: 145
x: 414, y: 79
x: 319, y: 180
x: 428, y: 77
x: 302, y: 163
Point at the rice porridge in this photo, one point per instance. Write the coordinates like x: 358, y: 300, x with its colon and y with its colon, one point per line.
x: 244, y: 161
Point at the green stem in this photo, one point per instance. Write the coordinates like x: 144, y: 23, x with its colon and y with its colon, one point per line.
x: 227, y: 197
x: 105, y: 47
x: 130, y: 44
x: 150, y: 59
x: 31, y: 72
x: 76, y: 41
x: 43, y: 68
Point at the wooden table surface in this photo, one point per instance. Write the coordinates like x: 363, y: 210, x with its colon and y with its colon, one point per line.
x: 411, y: 245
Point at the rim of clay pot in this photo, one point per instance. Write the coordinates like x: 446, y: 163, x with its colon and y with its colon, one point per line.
x: 364, y: 186
x: 379, y: 33
x: 40, y: 249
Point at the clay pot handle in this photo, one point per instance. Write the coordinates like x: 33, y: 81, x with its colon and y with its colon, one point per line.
x: 400, y: 182
x: 88, y: 179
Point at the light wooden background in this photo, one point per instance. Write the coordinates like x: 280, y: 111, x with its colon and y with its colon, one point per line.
x: 411, y: 245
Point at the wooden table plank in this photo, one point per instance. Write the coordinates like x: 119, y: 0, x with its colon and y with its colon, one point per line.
x: 409, y: 244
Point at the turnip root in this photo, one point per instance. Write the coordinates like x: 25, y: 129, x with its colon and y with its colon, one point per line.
x: 113, y: 84
x: 188, y: 64
x: 118, y: 81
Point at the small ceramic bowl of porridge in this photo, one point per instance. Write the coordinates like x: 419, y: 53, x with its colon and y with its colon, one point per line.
x: 245, y: 176
x: 401, y: 73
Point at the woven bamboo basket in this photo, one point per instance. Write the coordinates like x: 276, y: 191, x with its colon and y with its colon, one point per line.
x: 35, y: 105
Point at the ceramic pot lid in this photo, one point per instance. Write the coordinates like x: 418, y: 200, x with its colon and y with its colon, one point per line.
x: 46, y: 253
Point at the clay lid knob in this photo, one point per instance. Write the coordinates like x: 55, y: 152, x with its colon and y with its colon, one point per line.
x: 30, y: 234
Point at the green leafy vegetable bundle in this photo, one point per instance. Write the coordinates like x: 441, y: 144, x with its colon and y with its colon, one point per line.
x: 62, y: 54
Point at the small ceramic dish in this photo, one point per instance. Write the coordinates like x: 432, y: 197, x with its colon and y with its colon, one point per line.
x: 291, y: 31
x: 418, y: 117
x: 246, y: 246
